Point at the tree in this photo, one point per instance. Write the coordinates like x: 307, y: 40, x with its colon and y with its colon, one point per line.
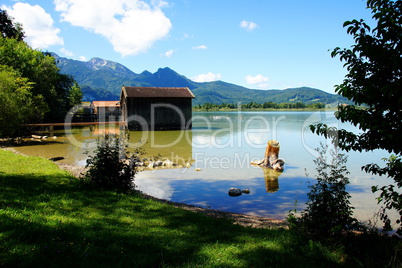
x: 18, y: 105
x: 8, y: 28
x: 32, y: 87
x: 75, y: 95
x: 374, y: 79
x: 40, y: 69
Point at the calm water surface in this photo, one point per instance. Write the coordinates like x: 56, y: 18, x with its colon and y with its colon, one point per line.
x: 219, y: 148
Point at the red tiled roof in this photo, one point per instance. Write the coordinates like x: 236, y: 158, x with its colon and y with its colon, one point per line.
x: 158, y: 92
x: 106, y: 103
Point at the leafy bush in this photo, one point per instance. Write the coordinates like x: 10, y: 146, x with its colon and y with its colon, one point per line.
x: 328, y: 211
x: 111, y: 167
x: 390, y: 197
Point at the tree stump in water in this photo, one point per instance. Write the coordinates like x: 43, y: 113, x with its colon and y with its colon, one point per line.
x: 271, y: 157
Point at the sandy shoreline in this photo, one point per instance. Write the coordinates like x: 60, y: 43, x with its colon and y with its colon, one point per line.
x: 241, y: 219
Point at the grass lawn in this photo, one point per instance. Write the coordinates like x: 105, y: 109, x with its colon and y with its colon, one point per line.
x: 48, y: 219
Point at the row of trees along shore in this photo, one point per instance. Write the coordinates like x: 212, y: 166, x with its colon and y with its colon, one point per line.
x: 32, y: 89
x: 254, y: 105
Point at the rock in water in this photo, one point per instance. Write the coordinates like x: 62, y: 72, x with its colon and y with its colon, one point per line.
x: 151, y: 165
x: 168, y: 163
x: 158, y: 163
x: 54, y: 159
x: 234, y: 191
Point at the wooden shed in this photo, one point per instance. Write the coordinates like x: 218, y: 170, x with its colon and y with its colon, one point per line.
x: 156, y: 108
x: 106, y: 110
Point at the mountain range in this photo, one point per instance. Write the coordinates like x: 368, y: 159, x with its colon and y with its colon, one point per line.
x: 102, y: 79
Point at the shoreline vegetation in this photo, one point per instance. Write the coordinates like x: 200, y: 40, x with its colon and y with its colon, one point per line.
x: 49, y: 218
x: 266, y: 106
x: 216, y: 109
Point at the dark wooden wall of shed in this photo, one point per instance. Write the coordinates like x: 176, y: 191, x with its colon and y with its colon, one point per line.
x: 158, y: 113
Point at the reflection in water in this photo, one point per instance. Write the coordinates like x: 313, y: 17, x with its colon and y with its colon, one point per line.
x: 271, y: 179
x: 99, y: 130
x: 75, y: 145
x: 172, y: 145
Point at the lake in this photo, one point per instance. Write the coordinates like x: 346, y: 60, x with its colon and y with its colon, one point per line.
x: 216, y: 154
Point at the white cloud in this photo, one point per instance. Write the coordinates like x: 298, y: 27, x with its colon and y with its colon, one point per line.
x: 131, y: 26
x: 249, y: 25
x: 186, y: 36
x: 66, y: 52
x: 258, y: 80
x: 200, y: 47
x: 71, y: 54
x: 37, y: 25
x: 208, y: 77
x: 169, y: 53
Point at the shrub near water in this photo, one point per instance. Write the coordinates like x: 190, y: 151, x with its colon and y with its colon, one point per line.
x: 328, y: 211
x: 111, y: 167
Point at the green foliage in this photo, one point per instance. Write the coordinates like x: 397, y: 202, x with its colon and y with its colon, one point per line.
x: 51, y: 94
x: 218, y: 92
x: 8, y: 28
x: 75, y: 95
x: 41, y: 70
x: 374, y: 79
x: 19, y: 105
x: 254, y: 105
x: 328, y: 211
x: 391, y: 197
x: 110, y: 167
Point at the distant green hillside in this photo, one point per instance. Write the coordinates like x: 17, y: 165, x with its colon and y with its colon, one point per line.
x: 102, y: 80
x: 221, y: 92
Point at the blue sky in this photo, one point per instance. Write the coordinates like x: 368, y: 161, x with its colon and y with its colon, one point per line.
x: 260, y: 44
